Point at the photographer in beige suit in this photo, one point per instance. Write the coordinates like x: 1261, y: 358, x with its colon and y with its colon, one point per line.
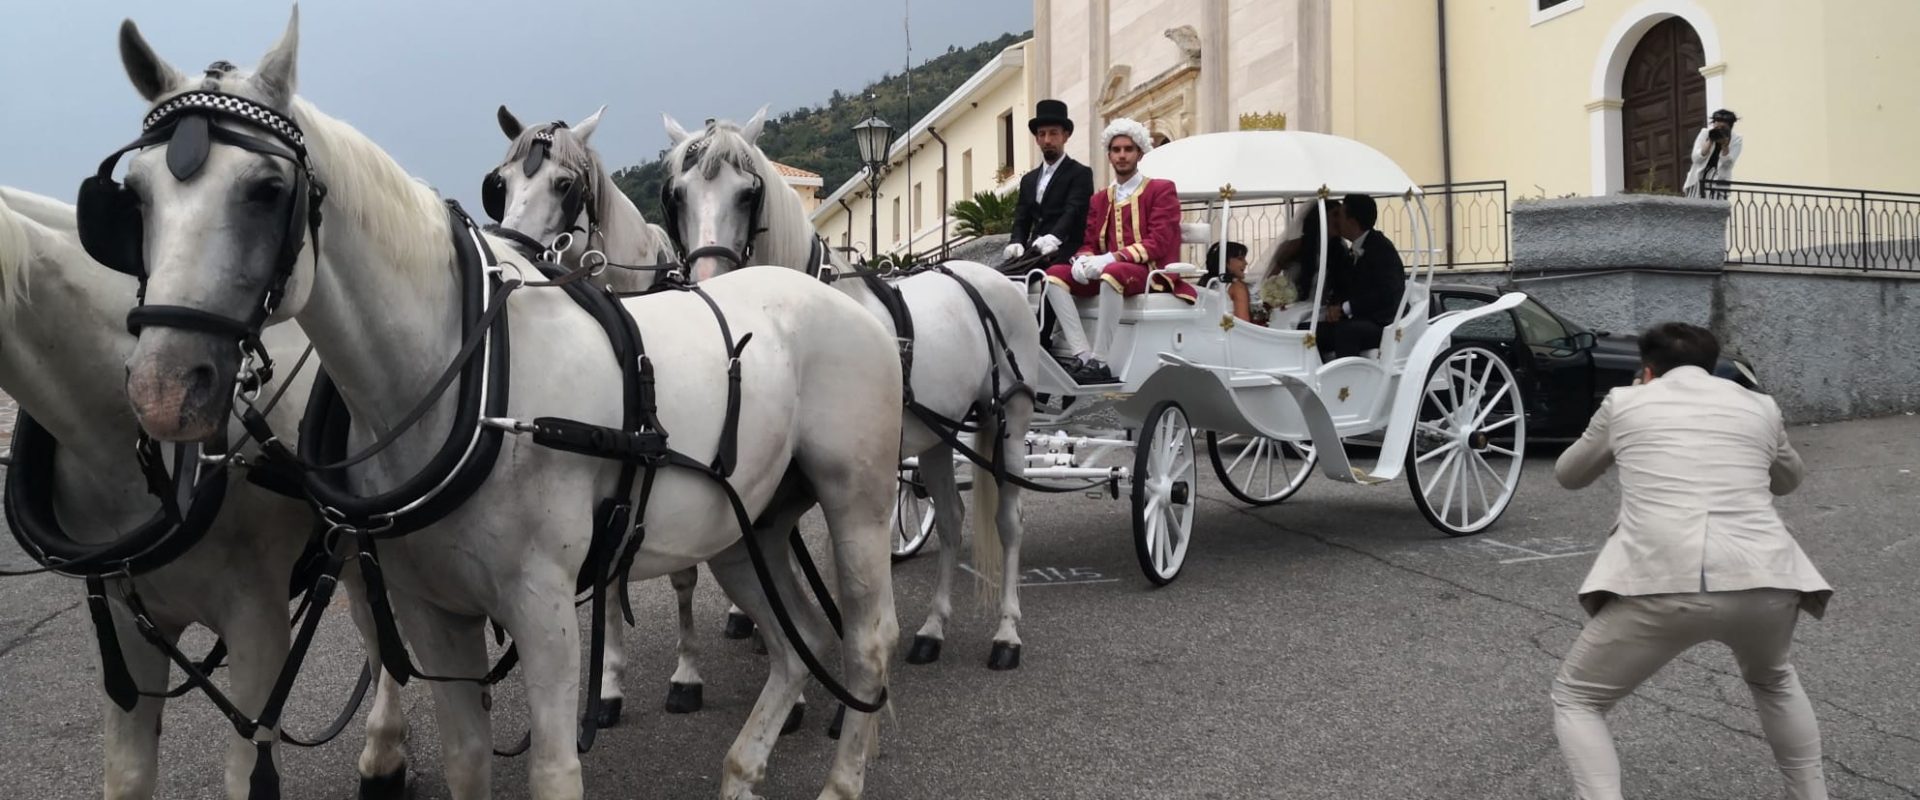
x: 1698, y: 554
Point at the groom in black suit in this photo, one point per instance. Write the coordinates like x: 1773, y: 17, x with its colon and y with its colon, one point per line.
x: 1364, y: 294
x: 1051, y: 214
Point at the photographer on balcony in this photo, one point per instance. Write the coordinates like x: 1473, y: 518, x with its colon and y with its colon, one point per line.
x: 1714, y: 151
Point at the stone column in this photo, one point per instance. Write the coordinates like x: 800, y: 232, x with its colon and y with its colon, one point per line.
x: 1315, y: 67
x: 1214, y: 66
x: 1039, y: 65
x: 1097, y: 65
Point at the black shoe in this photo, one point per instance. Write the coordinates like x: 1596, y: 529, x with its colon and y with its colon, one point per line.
x: 1092, y: 373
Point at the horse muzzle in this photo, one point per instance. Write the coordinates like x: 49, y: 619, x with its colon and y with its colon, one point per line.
x: 712, y: 261
x: 180, y: 383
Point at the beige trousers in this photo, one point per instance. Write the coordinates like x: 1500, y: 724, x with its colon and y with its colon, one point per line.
x: 1633, y: 637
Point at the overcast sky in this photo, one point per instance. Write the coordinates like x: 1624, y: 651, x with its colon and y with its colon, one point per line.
x: 423, y: 77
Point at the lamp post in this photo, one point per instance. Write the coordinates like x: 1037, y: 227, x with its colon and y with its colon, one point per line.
x: 872, y: 136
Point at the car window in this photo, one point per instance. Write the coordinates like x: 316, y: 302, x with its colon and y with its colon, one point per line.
x: 1538, y: 327
x: 1498, y: 327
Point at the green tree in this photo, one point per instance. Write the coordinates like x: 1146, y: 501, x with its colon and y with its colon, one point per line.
x: 984, y: 214
x: 820, y: 139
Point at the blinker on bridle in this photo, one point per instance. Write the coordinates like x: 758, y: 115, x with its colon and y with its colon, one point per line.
x: 493, y: 188
x: 109, y: 217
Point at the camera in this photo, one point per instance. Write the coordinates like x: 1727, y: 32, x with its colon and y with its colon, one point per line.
x: 1717, y: 134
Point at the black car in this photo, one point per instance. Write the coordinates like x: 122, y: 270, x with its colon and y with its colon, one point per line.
x: 1564, y: 368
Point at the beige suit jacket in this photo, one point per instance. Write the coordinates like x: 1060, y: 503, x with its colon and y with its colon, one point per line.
x: 1700, y: 460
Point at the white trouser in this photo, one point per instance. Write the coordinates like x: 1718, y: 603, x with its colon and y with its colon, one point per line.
x: 1068, y: 320
x: 1633, y: 637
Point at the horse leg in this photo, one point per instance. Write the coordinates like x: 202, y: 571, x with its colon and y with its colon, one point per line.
x: 131, y: 739
x: 445, y: 643
x: 258, y: 634
x: 998, y: 518
x: 936, y: 468
x: 746, y: 763
x: 541, y: 620
x: 684, y: 690
x: 613, y: 661
x: 857, y: 507
x: 383, y: 759
x: 739, y: 625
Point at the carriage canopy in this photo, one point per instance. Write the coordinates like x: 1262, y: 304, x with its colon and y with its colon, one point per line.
x: 1266, y: 165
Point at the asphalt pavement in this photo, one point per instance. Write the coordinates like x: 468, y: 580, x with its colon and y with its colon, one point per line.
x: 1334, y: 646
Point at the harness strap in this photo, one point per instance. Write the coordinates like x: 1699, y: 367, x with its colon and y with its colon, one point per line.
x: 764, y: 573
x: 393, y: 649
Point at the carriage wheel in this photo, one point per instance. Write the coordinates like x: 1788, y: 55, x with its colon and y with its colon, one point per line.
x: 1165, y: 474
x: 912, y: 518
x: 1260, y: 471
x: 1468, y: 443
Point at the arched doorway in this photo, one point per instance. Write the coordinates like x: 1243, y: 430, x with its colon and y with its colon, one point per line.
x: 1663, y: 104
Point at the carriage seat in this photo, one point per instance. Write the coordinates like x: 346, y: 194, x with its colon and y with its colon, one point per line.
x: 1192, y: 233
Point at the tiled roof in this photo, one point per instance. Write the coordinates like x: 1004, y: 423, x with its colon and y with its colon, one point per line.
x: 794, y: 172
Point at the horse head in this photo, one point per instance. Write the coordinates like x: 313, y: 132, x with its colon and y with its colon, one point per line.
x: 212, y: 218
x: 545, y: 186
x: 715, y: 197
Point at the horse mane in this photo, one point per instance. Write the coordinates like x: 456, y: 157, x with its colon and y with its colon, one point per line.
x: 788, y: 239
x: 399, y: 215
x: 15, y: 250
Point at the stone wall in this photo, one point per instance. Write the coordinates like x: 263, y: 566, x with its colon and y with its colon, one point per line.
x: 1827, y: 344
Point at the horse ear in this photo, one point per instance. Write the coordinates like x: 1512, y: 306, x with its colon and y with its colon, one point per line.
x: 584, y: 130
x: 275, y: 75
x: 752, y: 130
x: 509, y: 124
x: 152, y: 76
x: 674, y: 132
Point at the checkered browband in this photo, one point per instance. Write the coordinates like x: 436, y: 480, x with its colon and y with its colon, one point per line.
x: 229, y: 105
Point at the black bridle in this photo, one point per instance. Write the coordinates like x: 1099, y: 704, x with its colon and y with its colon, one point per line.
x: 112, y: 229
x: 579, y: 197
x: 671, y: 197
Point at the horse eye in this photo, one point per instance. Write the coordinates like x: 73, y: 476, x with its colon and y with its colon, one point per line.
x: 563, y: 185
x: 266, y: 191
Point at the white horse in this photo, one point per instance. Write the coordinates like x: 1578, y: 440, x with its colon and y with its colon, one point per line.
x: 63, y: 353
x: 551, y: 183
x: 382, y: 306
x: 716, y: 178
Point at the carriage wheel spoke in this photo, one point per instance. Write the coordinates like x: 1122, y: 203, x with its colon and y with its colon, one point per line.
x: 1502, y: 451
x: 1449, y: 447
x: 1504, y: 423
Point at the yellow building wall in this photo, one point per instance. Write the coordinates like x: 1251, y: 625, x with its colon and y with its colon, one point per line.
x: 1384, y: 88
x: 974, y: 127
x: 1825, y: 90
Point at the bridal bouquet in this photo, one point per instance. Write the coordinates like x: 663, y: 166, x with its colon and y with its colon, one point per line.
x: 1277, y: 291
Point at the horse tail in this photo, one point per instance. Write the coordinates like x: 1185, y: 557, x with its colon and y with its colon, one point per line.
x: 989, y: 556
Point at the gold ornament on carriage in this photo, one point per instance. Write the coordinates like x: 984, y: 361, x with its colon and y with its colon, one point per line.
x: 1227, y: 192
x: 1226, y: 322
x: 1345, y: 393
x: 1309, y: 341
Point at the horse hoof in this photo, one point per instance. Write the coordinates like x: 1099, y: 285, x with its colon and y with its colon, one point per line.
x: 739, y: 626
x: 794, y: 719
x: 391, y: 786
x: 1004, y: 657
x: 759, y: 646
x: 684, y: 698
x: 839, y: 718
x: 609, y: 713
x: 925, y: 650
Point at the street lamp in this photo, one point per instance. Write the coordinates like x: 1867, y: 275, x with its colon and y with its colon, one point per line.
x: 872, y: 136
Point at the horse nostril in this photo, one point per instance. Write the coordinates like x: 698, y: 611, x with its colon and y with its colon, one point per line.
x: 199, y: 382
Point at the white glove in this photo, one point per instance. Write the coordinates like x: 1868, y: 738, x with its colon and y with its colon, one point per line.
x: 1085, y: 270
x: 1046, y: 244
x: 1014, y: 250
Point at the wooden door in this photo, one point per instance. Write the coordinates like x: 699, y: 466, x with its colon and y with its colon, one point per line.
x: 1664, y: 105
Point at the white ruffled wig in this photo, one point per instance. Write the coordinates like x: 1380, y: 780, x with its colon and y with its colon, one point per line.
x: 1130, y: 129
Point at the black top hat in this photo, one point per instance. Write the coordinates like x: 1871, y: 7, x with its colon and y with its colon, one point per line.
x: 1050, y: 112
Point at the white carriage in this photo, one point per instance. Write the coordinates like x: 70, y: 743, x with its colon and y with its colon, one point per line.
x: 1269, y: 406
